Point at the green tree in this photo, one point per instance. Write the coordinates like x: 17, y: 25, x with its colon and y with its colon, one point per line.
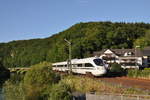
x: 143, y: 41
x: 38, y: 81
x: 85, y: 37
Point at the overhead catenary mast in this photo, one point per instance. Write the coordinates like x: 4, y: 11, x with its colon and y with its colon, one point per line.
x: 69, y: 62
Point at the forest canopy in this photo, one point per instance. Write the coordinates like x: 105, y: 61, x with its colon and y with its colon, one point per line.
x: 85, y: 38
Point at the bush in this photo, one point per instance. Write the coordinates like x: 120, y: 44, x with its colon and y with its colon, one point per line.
x: 13, y: 91
x: 38, y: 80
x: 41, y: 74
x: 115, y: 67
x: 4, y: 73
x: 116, y: 70
x: 60, y: 92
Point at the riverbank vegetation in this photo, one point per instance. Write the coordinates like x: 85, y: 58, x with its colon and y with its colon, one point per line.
x: 4, y: 73
x: 41, y: 83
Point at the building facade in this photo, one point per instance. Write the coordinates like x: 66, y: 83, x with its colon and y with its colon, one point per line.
x: 127, y: 58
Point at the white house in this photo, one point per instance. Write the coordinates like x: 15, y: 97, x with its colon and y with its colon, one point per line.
x: 128, y: 58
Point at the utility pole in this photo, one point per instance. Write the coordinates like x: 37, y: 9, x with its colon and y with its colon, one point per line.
x: 69, y: 63
x: 136, y: 60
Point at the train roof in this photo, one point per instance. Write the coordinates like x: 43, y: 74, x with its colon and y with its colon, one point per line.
x: 77, y: 61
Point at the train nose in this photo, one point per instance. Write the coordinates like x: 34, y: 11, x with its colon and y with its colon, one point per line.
x: 102, y: 70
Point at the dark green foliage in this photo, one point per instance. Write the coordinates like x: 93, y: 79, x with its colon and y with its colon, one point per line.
x: 4, y: 73
x: 116, y: 70
x: 41, y: 74
x: 85, y: 37
x: 143, y: 41
x: 115, y: 67
x: 16, y: 78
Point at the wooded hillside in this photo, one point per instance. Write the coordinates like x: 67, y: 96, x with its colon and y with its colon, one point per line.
x: 85, y: 37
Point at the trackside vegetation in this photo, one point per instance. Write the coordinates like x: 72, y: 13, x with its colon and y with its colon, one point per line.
x: 116, y: 70
x: 144, y: 74
x: 86, y: 84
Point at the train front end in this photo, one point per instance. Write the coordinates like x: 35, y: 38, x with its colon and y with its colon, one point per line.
x: 100, y: 68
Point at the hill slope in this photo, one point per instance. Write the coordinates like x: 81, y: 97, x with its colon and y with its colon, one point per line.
x: 85, y: 37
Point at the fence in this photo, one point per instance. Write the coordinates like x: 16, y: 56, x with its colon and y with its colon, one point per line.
x: 116, y: 97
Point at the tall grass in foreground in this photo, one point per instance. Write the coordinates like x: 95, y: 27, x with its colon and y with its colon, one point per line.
x: 144, y: 74
x: 85, y: 84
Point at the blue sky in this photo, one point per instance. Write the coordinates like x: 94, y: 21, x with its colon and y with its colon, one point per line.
x: 27, y: 19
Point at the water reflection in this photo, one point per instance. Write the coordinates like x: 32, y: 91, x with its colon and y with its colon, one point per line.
x: 1, y: 94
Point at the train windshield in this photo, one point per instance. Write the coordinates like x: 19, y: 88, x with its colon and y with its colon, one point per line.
x: 98, y: 62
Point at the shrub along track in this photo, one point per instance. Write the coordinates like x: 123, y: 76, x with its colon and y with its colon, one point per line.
x: 142, y: 84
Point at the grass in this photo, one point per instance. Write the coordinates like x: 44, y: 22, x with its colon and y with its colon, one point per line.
x: 85, y: 84
x: 144, y: 74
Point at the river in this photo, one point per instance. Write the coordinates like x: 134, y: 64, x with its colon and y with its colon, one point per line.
x: 1, y: 94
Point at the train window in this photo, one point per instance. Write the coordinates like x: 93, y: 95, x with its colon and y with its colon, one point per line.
x: 98, y: 62
x: 88, y: 65
x: 74, y: 65
x: 79, y: 65
x: 59, y: 65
